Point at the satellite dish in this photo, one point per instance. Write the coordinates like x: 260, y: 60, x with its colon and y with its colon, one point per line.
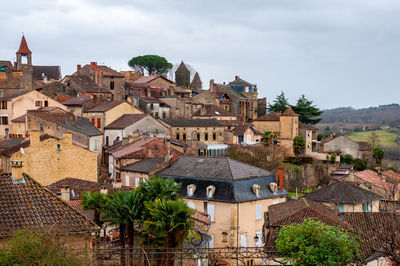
x: 21, y: 150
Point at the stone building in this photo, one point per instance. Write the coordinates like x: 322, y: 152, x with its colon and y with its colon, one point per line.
x: 234, y: 195
x: 213, y: 112
x: 344, y: 145
x: 104, y: 113
x: 14, y: 107
x: 286, y: 124
x: 155, y: 107
x: 128, y: 124
x: 182, y: 76
x: 52, y: 159
x: 81, y: 85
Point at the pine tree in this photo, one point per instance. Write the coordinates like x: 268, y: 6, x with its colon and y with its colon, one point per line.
x: 308, y: 113
x: 280, y: 104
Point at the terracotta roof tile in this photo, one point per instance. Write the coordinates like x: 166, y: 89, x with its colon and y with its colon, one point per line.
x: 268, y: 117
x: 129, y: 148
x: 392, y: 175
x: 104, y: 106
x: 289, y: 112
x: 23, y: 47
x: 78, y: 186
x: 78, y: 101
x: 374, y: 179
x: 29, y: 205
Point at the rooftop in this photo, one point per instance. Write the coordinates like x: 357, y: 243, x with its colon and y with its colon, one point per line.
x: 125, y: 121
x: 23, y: 47
x: 104, y: 106
x: 374, y: 179
x: 51, y: 72
x: 268, y: 117
x: 78, y: 101
x: 145, y: 166
x: 342, y: 192
x: 29, y: 205
x: 213, y: 110
x: 78, y: 186
x: 192, y: 122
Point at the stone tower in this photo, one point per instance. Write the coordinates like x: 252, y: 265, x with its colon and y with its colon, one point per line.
x: 196, y: 85
x: 27, y: 69
x: 182, y: 76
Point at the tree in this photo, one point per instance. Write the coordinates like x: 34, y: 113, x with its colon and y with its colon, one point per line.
x: 151, y: 63
x: 315, y: 243
x: 280, y: 104
x: 373, y: 140
x: 346, y: 158
x: 159, y: 188
x: 359, y: 164
x: 307, y: 111
x: 299, y: 145
x: 333, y: 157
x: 378, y: 154
x: 94, y: 201
x: 267, y: 137
x: 169, y: 224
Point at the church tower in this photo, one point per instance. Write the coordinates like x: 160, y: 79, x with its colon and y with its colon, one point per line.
x: 182, y: 76
x: 27, y: 69
x: 23, y: 51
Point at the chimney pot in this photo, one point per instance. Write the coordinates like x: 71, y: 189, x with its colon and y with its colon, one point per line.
x: 280, y: 178
x: 103, y: 190
x: 93, y: 65
x: 236, y: 77
x: 16, y: 170
x: 66, y: 193
x: 78, y: 67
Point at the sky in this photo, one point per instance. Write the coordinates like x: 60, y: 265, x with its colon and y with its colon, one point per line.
x: 338, y: 53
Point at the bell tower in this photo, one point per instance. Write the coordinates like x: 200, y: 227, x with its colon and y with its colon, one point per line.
x: 23, y: 51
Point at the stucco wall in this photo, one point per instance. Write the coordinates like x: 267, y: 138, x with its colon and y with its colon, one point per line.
x: 342, y: 144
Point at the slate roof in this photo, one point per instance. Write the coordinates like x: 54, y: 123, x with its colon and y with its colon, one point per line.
x: 213, y: 168
x: 104, y: 106
x: 23, y: 47
x: 29, y: 205
x: 296, y: 211
x: 78, y: 186
x: 192, y: 122
x: 125, y: 121
x: 342, y: 192
x: 230, y: 90
x: 182, y: 68
x: 145, y: 166
x: 78, y: 101
x: 268, y: 117
x: 238, y: 80
x: 232, y: 180
x: 51, y: 72
x: 213, y: 110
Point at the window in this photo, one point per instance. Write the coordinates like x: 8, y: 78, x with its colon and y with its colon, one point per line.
x: 46, y: 103
x: 336, y: 148
x: 127, y: 180
x: 4, y: 120
x: 367, y: 207
x: 206, y: 137
x: 243, y: 240
x: 191, y: 205
x: 63, y: 89
x: 184, y: 136
x: 137, y: 181
x: 107, y: 141
x: 210, y: 212
x: 214, y: 136
x: 38, y: 103
x: 258, y: 242
x: 177, y: 136
x: 205, y: 207
x: 198, y: 136
x: 210, y: 191
x: 4, y: 105
x: 211, y: 242
x: 96, y: 143
x: 256, y: 190
x: 190, y: 190
x: 59, y: 147
x: 98, y: 123
x: 341, y: 208
x: 224, y: 237
x: 41, y: 126
x: 258, y: 212
x: 308, y: 134
x: 112, y: 85
x: 93, y: 121
x: 7, y: 133
x: 309, y: 145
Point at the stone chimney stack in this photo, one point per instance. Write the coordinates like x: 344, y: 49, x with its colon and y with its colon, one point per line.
x: 66, y: 193
x: 103, y: 190
x: 211, y: 85
x: 67, y: 138
x: 78, y: 67
x: 35, y: 137
x: 236, y: 77
x: 16, y: 170
x: 280, y: 178
x: 93, y: 65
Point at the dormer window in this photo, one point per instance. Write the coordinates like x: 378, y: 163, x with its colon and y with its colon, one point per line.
x: 210, y: 191
x: 190, y: 190
x: 256, y: 190
x: 274, y: 187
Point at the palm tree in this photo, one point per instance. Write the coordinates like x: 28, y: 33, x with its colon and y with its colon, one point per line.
x: 267, y: 137
x: 94, y: 201
x: 169, y: 224
x: 159, y: 188
x: 123, y: 209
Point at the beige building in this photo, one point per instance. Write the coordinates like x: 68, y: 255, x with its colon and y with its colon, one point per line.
x: 346, y: 197
x: 104, y: 113
x: 286, y: 124
x: 16, y: 106
x: 51, y: 160
x: 213, y: 112
x: 234, y: 195
x: 344, y: 145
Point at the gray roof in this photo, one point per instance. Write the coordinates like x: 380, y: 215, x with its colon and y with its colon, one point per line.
x: 343, y: 193
x: 144, y: 166
x: 51, y: 72
x: 233, y: 181
x: 213, y: 168
x: 84, y: 126
x: 232, y: 91
x: 192, y: 122
x: 125, y: 121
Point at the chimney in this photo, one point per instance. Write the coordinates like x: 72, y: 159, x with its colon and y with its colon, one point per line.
x: 125, y: 140
x: 211, y: 85
x: 67, y: 138
x: 236, y: 77
x: 93, y: 65
x: 65, y: 193
x: 78, y: 67
x: 148, y: 91
x: 16, y: 170
x: 35, y: 137
x: 103, y: 190
x: 280, y: 178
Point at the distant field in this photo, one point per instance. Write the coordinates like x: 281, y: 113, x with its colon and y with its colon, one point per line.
x: 386, y: 138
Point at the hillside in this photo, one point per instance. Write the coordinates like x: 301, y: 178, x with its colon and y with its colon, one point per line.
x: 383, y: 114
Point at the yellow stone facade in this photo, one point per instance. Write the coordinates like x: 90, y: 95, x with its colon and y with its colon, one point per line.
x: 51, y: 160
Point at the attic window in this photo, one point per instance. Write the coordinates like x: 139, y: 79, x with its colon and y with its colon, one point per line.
x: 58, y: 147
x: 256, y: 190
x: 274, y: 187
x: 210, y: 191
x: 190, y: 190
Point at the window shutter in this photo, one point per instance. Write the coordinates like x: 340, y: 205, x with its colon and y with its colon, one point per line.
x: 210, y: 211
x: 258, y: 212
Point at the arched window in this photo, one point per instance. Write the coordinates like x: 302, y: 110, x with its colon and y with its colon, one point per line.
x: 210, y: 191
x: 190, y: 190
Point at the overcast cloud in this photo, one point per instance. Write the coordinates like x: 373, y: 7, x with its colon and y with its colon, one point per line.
x: 338, y: 53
